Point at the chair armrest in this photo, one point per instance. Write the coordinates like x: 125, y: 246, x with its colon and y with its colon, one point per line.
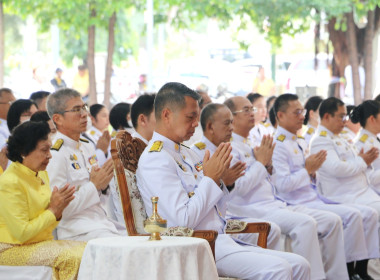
x: 262, y: 229
x: 209, y: 235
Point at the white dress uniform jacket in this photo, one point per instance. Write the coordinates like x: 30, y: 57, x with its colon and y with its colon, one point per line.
x: 274, y: 237
x: 4, y: 133
x: 366, y: 140
x: 188, y: 198
x: 310, y: 131
x: 253, y: 197
x: 342, y: 177
x: 294, y: 184
x: 258, y: 131
x: 84, y: 218
x: 93, y: 134
x: 348, y: 135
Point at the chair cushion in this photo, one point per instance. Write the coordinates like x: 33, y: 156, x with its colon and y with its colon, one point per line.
x: 235, y: 226
x: 137, y: 203
x: 178, y: 231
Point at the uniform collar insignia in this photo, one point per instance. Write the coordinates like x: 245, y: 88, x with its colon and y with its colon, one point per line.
x: 323, y: 133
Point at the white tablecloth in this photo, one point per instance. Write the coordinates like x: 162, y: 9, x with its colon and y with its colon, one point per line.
x: 135, y: 257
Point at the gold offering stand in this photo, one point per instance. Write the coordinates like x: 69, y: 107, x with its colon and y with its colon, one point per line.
x: 154, y: 224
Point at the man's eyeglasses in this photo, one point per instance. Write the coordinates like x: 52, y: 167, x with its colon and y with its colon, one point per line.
x: 300, y: 112
x: 79, y: 110
x: 344, y: 118
x: 247, y: 110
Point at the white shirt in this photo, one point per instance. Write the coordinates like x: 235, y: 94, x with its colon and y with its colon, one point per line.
x: 4, y: 133
x: 366, y: 140
x: 258, y: 131
x: 290, y: 177
x: 72, y: 162
x: 135, y: 134
x: 309, y: 133
x: 348, y: 135
x: 254, y: 189
x: 342, y: 177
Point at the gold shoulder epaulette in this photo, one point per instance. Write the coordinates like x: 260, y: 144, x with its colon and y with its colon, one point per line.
x: 363, y: 138
x: 156, y: 147
x: 57, y: 145
x: 323, y: 133
x: 84, y: 140
x: 200, y: 145
x: 266, y: 124
x: 310, y: 131
x: 281, y: 138
x: 300, y: 137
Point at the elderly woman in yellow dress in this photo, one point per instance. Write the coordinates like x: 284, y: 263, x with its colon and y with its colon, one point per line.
x: 29, y: 211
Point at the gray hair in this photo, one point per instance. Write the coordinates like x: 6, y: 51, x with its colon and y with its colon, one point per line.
x: 56, y: 102
x: 172, y: 95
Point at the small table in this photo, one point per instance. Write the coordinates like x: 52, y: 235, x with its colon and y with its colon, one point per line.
x: 134, y: 257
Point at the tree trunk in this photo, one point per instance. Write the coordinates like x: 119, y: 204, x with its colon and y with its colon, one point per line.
x: 110, y: 49
x: 91, y: 60
x: 340, y: 52
x: 353, y: 57
x: 368, y: 55
x: 1, y: 44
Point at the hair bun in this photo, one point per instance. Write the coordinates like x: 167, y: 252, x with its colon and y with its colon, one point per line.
x: 355, y: 114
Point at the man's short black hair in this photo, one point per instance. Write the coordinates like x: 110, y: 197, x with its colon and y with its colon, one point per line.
x: 24, y: 139
x: 208, y: 112
x: 38, y: 95
x: 118, y: 115
x: 143, y: 105
x: 330, y: 106
x: 172, y: 95
x: 282, y: 102
x: 252, y: 97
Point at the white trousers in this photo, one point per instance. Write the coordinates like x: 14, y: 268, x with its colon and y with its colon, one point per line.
x: 302, y: 231
x: 251, y: 262
x: 330, y: 234
x: 360, y: 228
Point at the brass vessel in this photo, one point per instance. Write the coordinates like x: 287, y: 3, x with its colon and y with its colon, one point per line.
x: 154, y: 224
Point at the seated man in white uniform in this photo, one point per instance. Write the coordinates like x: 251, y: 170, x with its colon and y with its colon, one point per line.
x: 74, y: 161
x: 294, y: 182
x: 253, y: 197
x: 216, y: 122
x: 342, y: 177
x: 191, y: 193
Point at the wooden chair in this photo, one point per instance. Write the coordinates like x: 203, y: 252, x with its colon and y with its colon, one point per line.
x: 126, y: 152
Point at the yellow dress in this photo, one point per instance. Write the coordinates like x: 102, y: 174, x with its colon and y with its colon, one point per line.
x: 26, y: 226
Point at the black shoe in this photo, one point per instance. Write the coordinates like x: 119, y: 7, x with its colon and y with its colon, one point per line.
x: 367, y: 277
x: 355, y: 277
